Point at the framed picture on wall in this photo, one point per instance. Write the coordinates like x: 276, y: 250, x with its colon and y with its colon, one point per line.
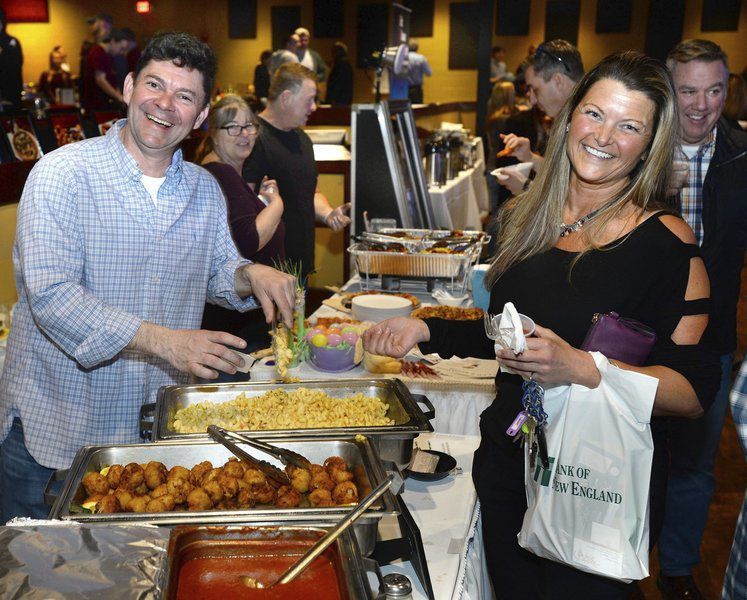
x: 21, y: 138
x: 26, y: 11
x: 67, y: 127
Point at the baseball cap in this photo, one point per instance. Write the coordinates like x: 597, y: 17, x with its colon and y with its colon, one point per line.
x: 100, y: 17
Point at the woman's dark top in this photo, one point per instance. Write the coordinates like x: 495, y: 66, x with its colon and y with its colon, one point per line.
x: 243, y: 208
x: 642, y: 276
x: 340, y: 84
x: 261, y: 81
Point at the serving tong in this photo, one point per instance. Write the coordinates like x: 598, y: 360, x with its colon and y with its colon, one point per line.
x: 287, y: 457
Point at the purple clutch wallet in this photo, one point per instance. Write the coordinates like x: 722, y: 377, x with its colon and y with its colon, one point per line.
x: 621, y: 339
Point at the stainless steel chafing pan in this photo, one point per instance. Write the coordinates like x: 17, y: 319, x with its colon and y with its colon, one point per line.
x: 241, y: 544
x: 357, y: 451
x: 394, y: 442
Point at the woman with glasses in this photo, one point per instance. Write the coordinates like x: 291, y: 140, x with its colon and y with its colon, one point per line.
x: 255, y: 219
x: 591, y: 235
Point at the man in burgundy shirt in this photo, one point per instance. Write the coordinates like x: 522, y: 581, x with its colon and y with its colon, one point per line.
x: 100, y: 89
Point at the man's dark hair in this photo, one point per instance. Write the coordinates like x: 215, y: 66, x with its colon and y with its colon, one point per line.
x: 129, y: 34
x: 115, y: 35
x: 496, y: 49
x: 3, y: 17
x: 557, y: 56
x: 184, y: 50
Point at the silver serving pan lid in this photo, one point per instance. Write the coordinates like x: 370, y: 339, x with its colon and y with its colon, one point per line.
x: 357, y: 451
x: 409, y: 419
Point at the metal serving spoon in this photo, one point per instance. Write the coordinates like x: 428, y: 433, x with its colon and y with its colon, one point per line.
x: 324, y: 542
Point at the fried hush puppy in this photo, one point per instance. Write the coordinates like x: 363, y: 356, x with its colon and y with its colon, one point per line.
x: 345, y: 493
x: 95, y: 483
x: 300, y: 478
x: 321, y: 497
x: 287, y: 497
x: 154, y: 474
x: 114, y: 475
x: 322, y: 480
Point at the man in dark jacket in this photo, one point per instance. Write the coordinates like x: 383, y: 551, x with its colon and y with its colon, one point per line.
x: 11, y: 63
x: 712, y: 201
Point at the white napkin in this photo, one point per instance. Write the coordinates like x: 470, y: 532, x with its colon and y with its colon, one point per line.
x: 510, y: 333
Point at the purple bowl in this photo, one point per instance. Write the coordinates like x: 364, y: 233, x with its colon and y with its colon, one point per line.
x: 333, y: 360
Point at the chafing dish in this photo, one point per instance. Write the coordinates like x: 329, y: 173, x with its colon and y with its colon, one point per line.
x: 218, y: 556
x: 414, y: 262
x: 394, y: 442
x: 357, y: 451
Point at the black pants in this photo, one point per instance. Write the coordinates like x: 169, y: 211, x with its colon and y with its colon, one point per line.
x: 415, y: 93
x: 498, y: 473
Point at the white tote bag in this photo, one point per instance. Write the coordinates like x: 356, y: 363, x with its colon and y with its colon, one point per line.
x: 589, y: 509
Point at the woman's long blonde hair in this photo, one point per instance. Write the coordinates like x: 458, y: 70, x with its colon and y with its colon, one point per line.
x: 530, y: 223
x: 222, y: 112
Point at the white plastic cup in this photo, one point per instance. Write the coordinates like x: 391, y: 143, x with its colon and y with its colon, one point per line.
x: 527, y: 324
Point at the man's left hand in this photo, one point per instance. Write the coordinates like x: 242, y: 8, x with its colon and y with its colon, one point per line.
x: 337, y: 218
x: 273, y: 289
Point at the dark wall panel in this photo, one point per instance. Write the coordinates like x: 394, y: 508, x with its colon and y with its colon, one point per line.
x: 511, y: 17
x: 373, y: 29
x: 284, y: 21
x: 613, y: 16
x: 329, y: 19
x: 664, y: 27
x: 464, y: 25
x: 242, y: 19
x: 720, y: 15
x: 421, y: 17
x: 561, y: 20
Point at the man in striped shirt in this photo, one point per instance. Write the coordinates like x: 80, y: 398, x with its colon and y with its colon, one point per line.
x: 119, y: 242
x: 735, y: 579
x: 712, y: 201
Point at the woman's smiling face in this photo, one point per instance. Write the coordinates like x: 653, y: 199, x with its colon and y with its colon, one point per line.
x: 609, y: 132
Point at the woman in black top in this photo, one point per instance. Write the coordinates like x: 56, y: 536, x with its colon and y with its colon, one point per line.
x: 588, y: 236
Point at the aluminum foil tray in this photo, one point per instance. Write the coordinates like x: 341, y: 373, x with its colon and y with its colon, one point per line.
x: 403, y: 264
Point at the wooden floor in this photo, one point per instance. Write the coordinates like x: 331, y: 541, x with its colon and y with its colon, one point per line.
x: 731, y: 482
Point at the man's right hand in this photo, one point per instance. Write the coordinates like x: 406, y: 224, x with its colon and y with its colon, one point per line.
x: 199, y: 352
x: 518, y: 146
x: 678, y: 178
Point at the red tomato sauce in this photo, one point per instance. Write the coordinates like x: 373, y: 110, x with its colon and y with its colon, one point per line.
x: 219, y: 578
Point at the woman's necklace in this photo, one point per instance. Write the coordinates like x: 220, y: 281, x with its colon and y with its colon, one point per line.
x: 577, y: 225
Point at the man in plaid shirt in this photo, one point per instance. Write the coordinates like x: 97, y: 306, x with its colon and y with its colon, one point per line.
x: 119, y: 242
x: 735, y: 580
x: 712, y: 201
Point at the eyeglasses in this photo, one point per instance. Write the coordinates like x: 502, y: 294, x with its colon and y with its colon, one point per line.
x: 542, y: 50
x: 235, y: 130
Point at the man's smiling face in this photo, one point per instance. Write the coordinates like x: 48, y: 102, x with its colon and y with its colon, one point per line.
x: 701, y: 94
x: 164, y: 104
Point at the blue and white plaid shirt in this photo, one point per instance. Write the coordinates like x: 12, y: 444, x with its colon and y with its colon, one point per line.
x: 691, y: 195
x: 94, y: 257
x: 735, y: 579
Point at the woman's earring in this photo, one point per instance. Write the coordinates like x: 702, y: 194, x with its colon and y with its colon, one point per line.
x: 567, y: 127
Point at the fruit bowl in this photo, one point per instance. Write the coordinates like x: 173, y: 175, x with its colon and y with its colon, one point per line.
x: 336, y: 348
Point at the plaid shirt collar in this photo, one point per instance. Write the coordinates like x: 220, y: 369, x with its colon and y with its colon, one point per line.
x: 129, y: 167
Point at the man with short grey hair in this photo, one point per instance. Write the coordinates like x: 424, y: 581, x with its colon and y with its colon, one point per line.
x: 310, y: 58
x: 712, y: 201
x: 285, y: 153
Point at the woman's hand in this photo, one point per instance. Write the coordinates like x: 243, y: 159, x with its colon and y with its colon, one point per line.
x: 395, y: 337
x: 550, y: 360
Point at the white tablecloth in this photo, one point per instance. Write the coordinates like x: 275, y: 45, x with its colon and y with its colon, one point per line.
x: 447, y: 514
x: 459, y: 203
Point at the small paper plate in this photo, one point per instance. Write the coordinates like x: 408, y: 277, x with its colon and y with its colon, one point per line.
x: 446, y: 464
